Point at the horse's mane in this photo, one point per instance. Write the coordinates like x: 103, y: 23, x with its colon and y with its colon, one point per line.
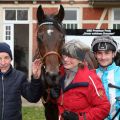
x: 91, y: 60
x: 117, y: 58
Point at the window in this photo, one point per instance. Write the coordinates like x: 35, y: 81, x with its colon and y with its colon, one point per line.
x: 71, y: 19
x: 8, y: 33
x: 116, y: 18
x: 20, y: 15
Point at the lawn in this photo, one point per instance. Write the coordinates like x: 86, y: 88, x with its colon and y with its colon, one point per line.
x: 33, y: 113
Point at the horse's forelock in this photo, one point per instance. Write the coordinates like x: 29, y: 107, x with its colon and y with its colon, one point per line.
x: 50, y: 18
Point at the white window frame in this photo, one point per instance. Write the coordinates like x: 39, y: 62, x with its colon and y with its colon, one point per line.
x: 12, y: 22
x: 18, y: 21
x: 11, y: 40
x: 117, y: 22
x: 77, y: 21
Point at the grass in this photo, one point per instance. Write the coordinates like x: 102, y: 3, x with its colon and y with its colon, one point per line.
x: 33, y: 113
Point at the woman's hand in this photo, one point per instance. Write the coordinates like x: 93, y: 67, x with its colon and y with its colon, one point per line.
x: 68, y: 115
x: 36, y: 68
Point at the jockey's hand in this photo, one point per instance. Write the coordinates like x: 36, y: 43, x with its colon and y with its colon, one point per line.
x: 36, y: 68
x: 68, y: 115
x: 55, y: 92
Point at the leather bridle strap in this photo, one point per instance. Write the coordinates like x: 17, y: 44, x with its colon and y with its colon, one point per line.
x: 50, y: 53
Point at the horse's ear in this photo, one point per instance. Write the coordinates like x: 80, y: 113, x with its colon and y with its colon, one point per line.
x: 60, y: 16
x: 40, y: 14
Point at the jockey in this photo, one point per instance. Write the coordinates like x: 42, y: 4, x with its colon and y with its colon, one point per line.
x: 104, y: 48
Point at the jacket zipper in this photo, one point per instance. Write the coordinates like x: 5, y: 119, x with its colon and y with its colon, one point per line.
x: 3, y: 99
x: 61, y: 103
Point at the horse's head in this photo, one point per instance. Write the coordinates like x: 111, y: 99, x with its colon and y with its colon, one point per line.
x: 50, y: 37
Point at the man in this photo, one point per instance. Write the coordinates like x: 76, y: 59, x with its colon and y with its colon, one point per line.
x: 104, y: 48
x: 14, y: 84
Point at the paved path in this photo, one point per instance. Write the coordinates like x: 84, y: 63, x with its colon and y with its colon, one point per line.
x: 26, y: 103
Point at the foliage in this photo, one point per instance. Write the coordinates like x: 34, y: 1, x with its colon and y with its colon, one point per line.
x: 33, y: 113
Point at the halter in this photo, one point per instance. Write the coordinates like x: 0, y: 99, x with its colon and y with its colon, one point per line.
x: 50, y: 52
x: 49, y: 23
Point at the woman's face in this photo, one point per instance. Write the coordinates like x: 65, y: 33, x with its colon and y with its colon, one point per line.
x: 69, y: 62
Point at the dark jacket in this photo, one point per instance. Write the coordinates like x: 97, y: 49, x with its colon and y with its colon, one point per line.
x: 13, y: 84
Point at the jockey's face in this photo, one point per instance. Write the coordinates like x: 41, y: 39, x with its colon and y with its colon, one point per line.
x: 105, y: 58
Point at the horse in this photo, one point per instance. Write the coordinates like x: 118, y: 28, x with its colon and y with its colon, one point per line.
x: 91, y: 60
x: 117, y: 58
x: 50, y: 39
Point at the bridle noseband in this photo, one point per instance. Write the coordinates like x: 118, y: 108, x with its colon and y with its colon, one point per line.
x: 50, y: 52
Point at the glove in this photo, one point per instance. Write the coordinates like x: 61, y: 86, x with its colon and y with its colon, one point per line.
x: 55, y: 92
x: 67, y: 115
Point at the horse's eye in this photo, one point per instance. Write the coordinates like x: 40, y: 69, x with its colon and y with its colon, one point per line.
x: 43, y: 66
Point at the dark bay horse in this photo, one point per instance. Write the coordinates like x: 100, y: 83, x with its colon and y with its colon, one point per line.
x: 117, y: 58
x: 50, y: 39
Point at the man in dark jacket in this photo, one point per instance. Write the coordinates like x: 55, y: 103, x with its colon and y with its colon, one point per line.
x: 14, y: 84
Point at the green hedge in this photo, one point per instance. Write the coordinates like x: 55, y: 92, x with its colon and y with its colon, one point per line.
x: 33, y: 113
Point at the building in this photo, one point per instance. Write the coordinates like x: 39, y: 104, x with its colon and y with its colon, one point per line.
x: 18, y: 22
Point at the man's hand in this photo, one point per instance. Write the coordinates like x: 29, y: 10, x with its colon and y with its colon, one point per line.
x: 36, y: 68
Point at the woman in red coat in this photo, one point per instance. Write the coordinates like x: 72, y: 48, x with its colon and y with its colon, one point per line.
x: 82, y: 95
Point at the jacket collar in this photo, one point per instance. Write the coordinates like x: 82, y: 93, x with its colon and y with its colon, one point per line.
x: 110, y: 67
x: 8, y: 72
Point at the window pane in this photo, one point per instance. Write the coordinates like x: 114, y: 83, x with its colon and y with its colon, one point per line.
x: 118, y: 26
x: 7, y: 27
x: 116, y: 14
x: 70, y: 15
x: 7, y: 37
x: 68, y: 26
x: 75, y: 26
x: 10, y: 15
x: 114, y: 26
x: 7, y: 32
x: 64, y: 25
x: 22, y: 15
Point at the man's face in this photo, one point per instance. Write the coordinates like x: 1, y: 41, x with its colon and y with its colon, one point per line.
x: 105, y: 58
x: 5, y: 62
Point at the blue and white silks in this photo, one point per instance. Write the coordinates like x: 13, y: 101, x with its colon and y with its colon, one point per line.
x: 111, y: 75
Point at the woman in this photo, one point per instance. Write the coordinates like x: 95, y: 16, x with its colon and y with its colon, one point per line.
x: 82, y: 94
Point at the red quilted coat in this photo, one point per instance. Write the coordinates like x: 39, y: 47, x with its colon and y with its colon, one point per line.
x: 84, y: 96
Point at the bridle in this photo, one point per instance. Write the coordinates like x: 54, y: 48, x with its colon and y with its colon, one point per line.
x: 50, y: 53
x: 42, y: 58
